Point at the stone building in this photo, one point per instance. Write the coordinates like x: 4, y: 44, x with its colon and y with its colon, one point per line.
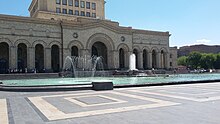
x: 61, y: 28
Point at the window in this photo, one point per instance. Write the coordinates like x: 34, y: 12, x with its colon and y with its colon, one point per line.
x: 77, y: 12
x: 58, y: 10
x: 87, y: 5
x: 64, y: 2
x: 58, y: 1
x: 71, y: 12
x: 76, y: 3
x: 82, y: 13
x: 64, y: 11
x: 87, y: 14
x: 94, y: 6
x: 70, y: 2
x: 94, y: 15
x: 171, y: 64
x: 82, y: 4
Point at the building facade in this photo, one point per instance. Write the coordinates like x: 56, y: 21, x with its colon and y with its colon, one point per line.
x: 45, y: 39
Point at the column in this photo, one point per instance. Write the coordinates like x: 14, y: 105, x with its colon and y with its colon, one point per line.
x: 116, y: 59
x: 31, y: 58
x: 13, y: 57
x: 47, y: 61
x: 140, y: 61
x: 158, y: 62
x: 167, y: 63
x: 66, y: 52
x: 149, y: 60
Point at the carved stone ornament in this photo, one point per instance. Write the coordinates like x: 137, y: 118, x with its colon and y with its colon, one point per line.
x: 75, y: 35
x: 122, y: 38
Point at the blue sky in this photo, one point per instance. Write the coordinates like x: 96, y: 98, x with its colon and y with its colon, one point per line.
x: 189, y: 22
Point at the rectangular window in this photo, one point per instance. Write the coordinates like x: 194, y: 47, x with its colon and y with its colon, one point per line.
x: 77, y: 12
x: 64, y: 2
x: 87, y: 14
x: 58, y: 10
x: 64, y: 11
x: 82, y: 13
x: 87, y: 5
x: 58, y: 1
x: 70, y: 12
x: 94, y: 15
x: 76, y: 3
x: 171, y: 64
x: 94, y: 6
x: 70, y: 2
x: 82, y: 4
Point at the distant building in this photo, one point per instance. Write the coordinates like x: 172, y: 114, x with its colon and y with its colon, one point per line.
x: 61, y: 28
x: 185, y: 50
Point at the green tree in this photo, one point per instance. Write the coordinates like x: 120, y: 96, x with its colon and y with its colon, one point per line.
x: 217, y: 62
x: 182, y: 60
x: 193, y: 60
x: 207, y: 60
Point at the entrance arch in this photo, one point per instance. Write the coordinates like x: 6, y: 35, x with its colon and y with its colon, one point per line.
x: 55, y: 58
x: 22, y: 56
x: 106, y: 43
x: 4, y: 57
x: 39, y: 58
x: 99, y: 49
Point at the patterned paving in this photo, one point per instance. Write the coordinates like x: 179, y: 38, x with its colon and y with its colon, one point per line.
x: 64, y: 106
x: 3, y: 112
x: 53, y: 113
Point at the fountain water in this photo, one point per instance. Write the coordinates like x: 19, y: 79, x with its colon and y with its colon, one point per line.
x: 83, y: 66
x: 132, y: 63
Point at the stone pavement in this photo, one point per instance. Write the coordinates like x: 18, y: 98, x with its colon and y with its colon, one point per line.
x: 177, y: 104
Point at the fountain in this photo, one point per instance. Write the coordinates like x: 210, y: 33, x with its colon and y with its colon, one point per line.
x: 83, y: 66
x: 132, y: 62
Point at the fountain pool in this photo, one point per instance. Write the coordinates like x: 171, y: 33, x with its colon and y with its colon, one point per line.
x: 116, y: 80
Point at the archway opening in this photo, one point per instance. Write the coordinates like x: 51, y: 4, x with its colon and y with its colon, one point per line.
x: 121, y: 59
x: 154, y: 59
x: 4, y: 58
x: 74, y: 51
x: 145, y: 59
x: 135, y: 51
x: 55, y: 58
x: 39, y: 58
x: 22, y: 56
x: 99, y: 49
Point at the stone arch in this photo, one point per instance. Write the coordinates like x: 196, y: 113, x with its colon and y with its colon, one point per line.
x: 76, y: 43
x: 39, y: 42
x: 102, y: 38
x: 6, y: 41
x: 75, y: 46
x: 146, y: 48
x: 4, y: 57
x: 107, y: 42
x: 163, y: 57
x: 154, y: 48
x: 55, y: 43
x: 123, y: 46
x: 137, y: 48
x: 19, y: 41
x: 123, y: 52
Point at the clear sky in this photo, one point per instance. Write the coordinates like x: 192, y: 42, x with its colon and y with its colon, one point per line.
x: 189, y: 21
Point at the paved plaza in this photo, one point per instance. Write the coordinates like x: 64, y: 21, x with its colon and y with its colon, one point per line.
x: 177, y: 104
